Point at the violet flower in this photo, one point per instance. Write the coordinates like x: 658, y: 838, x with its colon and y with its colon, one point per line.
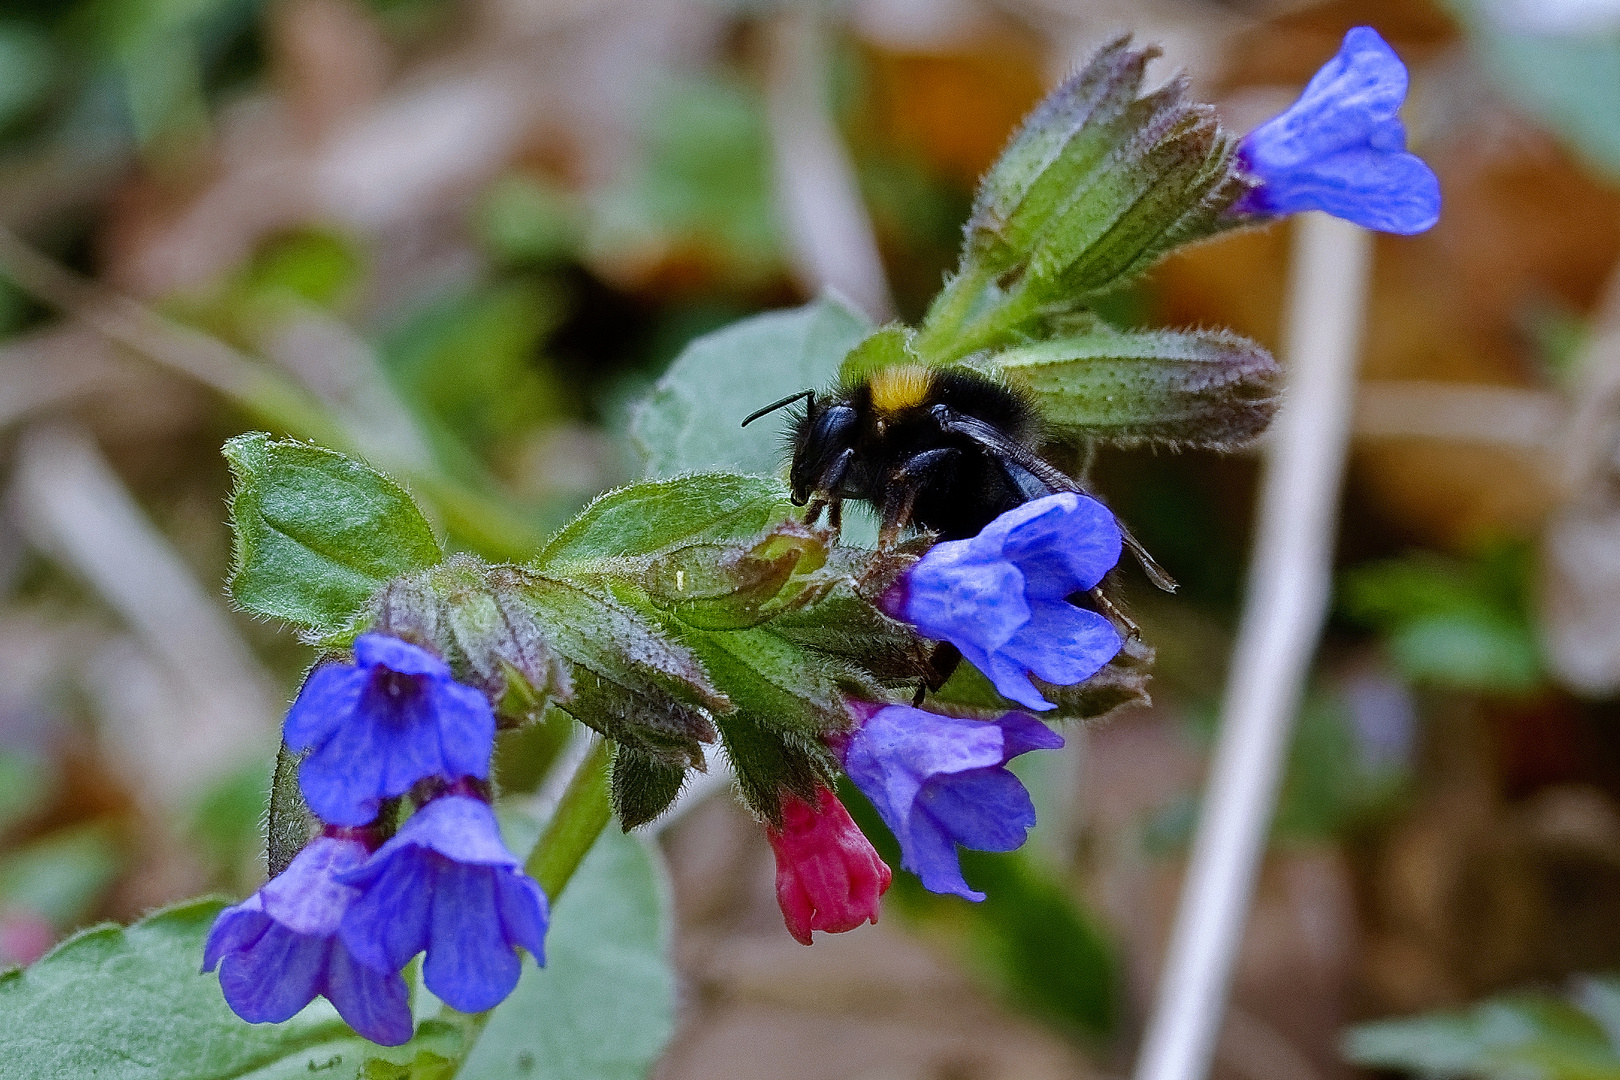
x: 941, y: 781
x: 279, y: 948
x: 1341, y: 148
x: 379, y: 725
x: 828, y: 875
x: 999, y: 596
x: 447, y: 884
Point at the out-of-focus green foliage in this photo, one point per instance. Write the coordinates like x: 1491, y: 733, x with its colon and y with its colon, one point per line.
x: 1566, y: 73
x: 1523, y: 1036
x: 1335, y: 781
x: 62, y: 876
x: 703, y: 184
x: 1451, y: 623
x: 466, y: 363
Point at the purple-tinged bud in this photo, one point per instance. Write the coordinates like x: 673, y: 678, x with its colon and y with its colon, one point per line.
x: 940, y: 782
x: 1342, y: 149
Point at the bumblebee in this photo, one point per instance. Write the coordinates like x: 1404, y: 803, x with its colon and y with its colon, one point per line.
x: 942, y: 449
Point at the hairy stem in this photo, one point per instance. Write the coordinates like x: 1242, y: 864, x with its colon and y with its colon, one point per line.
x: 580, y: 818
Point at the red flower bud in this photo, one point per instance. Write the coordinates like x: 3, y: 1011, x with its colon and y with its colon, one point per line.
x: 828, y: 876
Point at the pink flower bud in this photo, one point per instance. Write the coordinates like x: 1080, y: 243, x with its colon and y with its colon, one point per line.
x: 828, y: 876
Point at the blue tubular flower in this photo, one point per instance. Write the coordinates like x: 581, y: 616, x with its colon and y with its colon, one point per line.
x: 939, y: 781
x: 446, y: 883
x: 1340, y: 147
x: 379, y: 725
x: 999, y: 597
x: 279, y: 948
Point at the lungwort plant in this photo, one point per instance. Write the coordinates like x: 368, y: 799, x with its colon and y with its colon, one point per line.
x: 703, y: 608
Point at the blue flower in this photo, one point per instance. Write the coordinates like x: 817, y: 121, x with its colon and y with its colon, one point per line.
x: 279, y: 948
x: 1340, y: 147
x: 999, y: 596
x: 940, y: 781
x: 446, y: 883
x: 375, y: 727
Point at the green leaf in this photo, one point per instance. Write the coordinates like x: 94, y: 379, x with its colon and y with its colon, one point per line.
x: 642, y: 786
x: 128, y: 1004
x: 654, y: 516
x: 1571, y: 80
x: 317, y: 532
x: 603, y: 1006
x: 885, y: 348
x: 692, y: 420
x: 1202, y: 388
x: 631, y: 681
x: 1507, y: 1038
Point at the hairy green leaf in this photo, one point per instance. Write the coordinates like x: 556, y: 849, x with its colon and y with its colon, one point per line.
x: 603, y: 1006
x: 693, y: 418
x: 631, y: 681
x: 129, y: 1004
x: 317, y: 532
x: 1506, y: 1038
x: 656, y: 515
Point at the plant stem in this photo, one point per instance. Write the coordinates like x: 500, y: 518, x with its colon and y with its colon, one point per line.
x: 580, y: 818
x: 1290, y: 580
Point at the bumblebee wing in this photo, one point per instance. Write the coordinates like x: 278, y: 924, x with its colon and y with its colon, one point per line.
x: 1037, y: 477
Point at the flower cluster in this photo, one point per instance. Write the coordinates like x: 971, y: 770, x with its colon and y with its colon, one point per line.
x: 940, y: 782
x: 356, y: 904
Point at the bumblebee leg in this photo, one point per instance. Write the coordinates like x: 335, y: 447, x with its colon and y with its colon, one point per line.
x: 812, y: 513
x: 1112, y: 611
x: 835, y: 515
x: 896, y: 516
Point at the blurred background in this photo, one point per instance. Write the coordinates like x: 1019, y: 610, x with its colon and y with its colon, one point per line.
x: 460, y: 237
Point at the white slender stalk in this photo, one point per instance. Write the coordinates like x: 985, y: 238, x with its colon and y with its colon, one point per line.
x: 1288, y: 589
x: 829, y: 231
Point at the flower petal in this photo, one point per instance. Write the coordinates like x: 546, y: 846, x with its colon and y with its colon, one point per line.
x: 306, y: 897
x: 374, y: 1003
x: 524, y: 913
x: 466, y: 729
x: 235, y: 929
x: 277, y: 977
x: 1063, y: 644
x: 469, y: 965
x: 1020, y: 734
x: 327, y: 699
x: 931, y: 854
x: 951, y: 598
x: 986, y: 810
x: 342, y: 780
x: 459, y: 828
x: 1062, y: 544
x: 389, y: 923
x: 397, y: 655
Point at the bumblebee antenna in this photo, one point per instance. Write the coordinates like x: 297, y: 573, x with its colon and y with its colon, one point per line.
x: 784, y: 403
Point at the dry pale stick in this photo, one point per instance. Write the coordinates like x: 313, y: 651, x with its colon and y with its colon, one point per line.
x: 1289, y: 584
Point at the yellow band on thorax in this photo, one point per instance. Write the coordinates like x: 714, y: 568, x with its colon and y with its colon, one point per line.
x: 902, y: 386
